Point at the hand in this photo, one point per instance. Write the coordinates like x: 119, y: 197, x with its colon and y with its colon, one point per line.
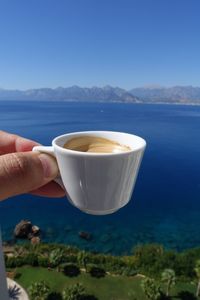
x: 24, y: 171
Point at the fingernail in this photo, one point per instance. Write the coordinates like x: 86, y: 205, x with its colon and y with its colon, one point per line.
x: 50, y: 166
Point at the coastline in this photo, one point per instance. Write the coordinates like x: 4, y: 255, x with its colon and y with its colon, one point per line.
x: 101, y: 102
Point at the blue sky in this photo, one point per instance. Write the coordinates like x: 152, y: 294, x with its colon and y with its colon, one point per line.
x: 126, y: 43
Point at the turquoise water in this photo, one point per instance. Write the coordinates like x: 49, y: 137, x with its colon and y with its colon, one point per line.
x: 165, y: 207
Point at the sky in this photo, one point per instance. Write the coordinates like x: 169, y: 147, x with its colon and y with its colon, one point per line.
x: 125, y: 43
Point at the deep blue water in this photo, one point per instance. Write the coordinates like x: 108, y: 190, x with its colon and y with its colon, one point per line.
x: 165, y: 207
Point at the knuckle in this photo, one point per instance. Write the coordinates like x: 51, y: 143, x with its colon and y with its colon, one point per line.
x: 16, y: 165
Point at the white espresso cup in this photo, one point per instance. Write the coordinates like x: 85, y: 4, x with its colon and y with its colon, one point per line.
x: 97, y: 183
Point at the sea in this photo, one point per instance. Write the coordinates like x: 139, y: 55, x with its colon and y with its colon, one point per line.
x: 165, y: 206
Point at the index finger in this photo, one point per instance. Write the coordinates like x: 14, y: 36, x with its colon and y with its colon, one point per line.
x: 10, y: 143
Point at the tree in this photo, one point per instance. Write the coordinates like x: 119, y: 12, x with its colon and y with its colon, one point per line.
x: 168, y: 277
x: 74, y: 292
x: 197, y: 271
x: 83, y: 259
x: 39, y: 290
x: 151, y: 288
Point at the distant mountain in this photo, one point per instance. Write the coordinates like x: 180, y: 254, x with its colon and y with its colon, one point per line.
x: 151, y: 94
x: 74, y: 93
x: 176, y: 94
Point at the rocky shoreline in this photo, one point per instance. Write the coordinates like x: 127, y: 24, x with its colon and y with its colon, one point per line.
x: 26, y: 230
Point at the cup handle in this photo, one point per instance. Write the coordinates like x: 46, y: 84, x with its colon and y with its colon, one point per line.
x: 49, y: 150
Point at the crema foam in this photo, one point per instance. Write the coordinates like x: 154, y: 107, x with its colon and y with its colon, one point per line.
x: 95, y: 144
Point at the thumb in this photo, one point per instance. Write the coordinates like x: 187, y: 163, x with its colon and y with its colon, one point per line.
x: 23, y: 172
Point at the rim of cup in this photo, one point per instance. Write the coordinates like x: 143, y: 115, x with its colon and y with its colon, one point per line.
x: 141, y: 143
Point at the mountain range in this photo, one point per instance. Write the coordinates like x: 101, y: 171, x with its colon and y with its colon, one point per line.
x: 176, y: 94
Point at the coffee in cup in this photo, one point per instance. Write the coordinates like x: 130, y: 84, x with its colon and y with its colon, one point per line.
x: 95, y: 144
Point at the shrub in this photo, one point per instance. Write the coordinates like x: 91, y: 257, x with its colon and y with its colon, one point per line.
x: 13, y: 262
x: 74, y: 292
x: 186, y: 295
x: 54, y: 296
x: 39, y: 290
x: 185, y: 264
x: 43, y: 262
x: 71, y: 258
x: 88, y: 297
x: 148, y: 259
x: 96, y: 271
x: 31, y: 259
x: 128, y: 271
x: 151, y: 288
x: 95, y: 258
x: 113, y: 264
x: 56, y: 257
x: 70, y: 270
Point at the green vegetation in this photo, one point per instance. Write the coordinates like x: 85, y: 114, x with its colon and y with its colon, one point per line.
x: 39, y: 290
x: 151, y: 288
x: 70, y: 270
x: 56, y: 256
x: 74, y: 292
x: 96, y: 271
x: 106, y: 288
x: 168, y: 277
x: 151, y: 272
x: 197, y: 271
x: 82, y: 259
